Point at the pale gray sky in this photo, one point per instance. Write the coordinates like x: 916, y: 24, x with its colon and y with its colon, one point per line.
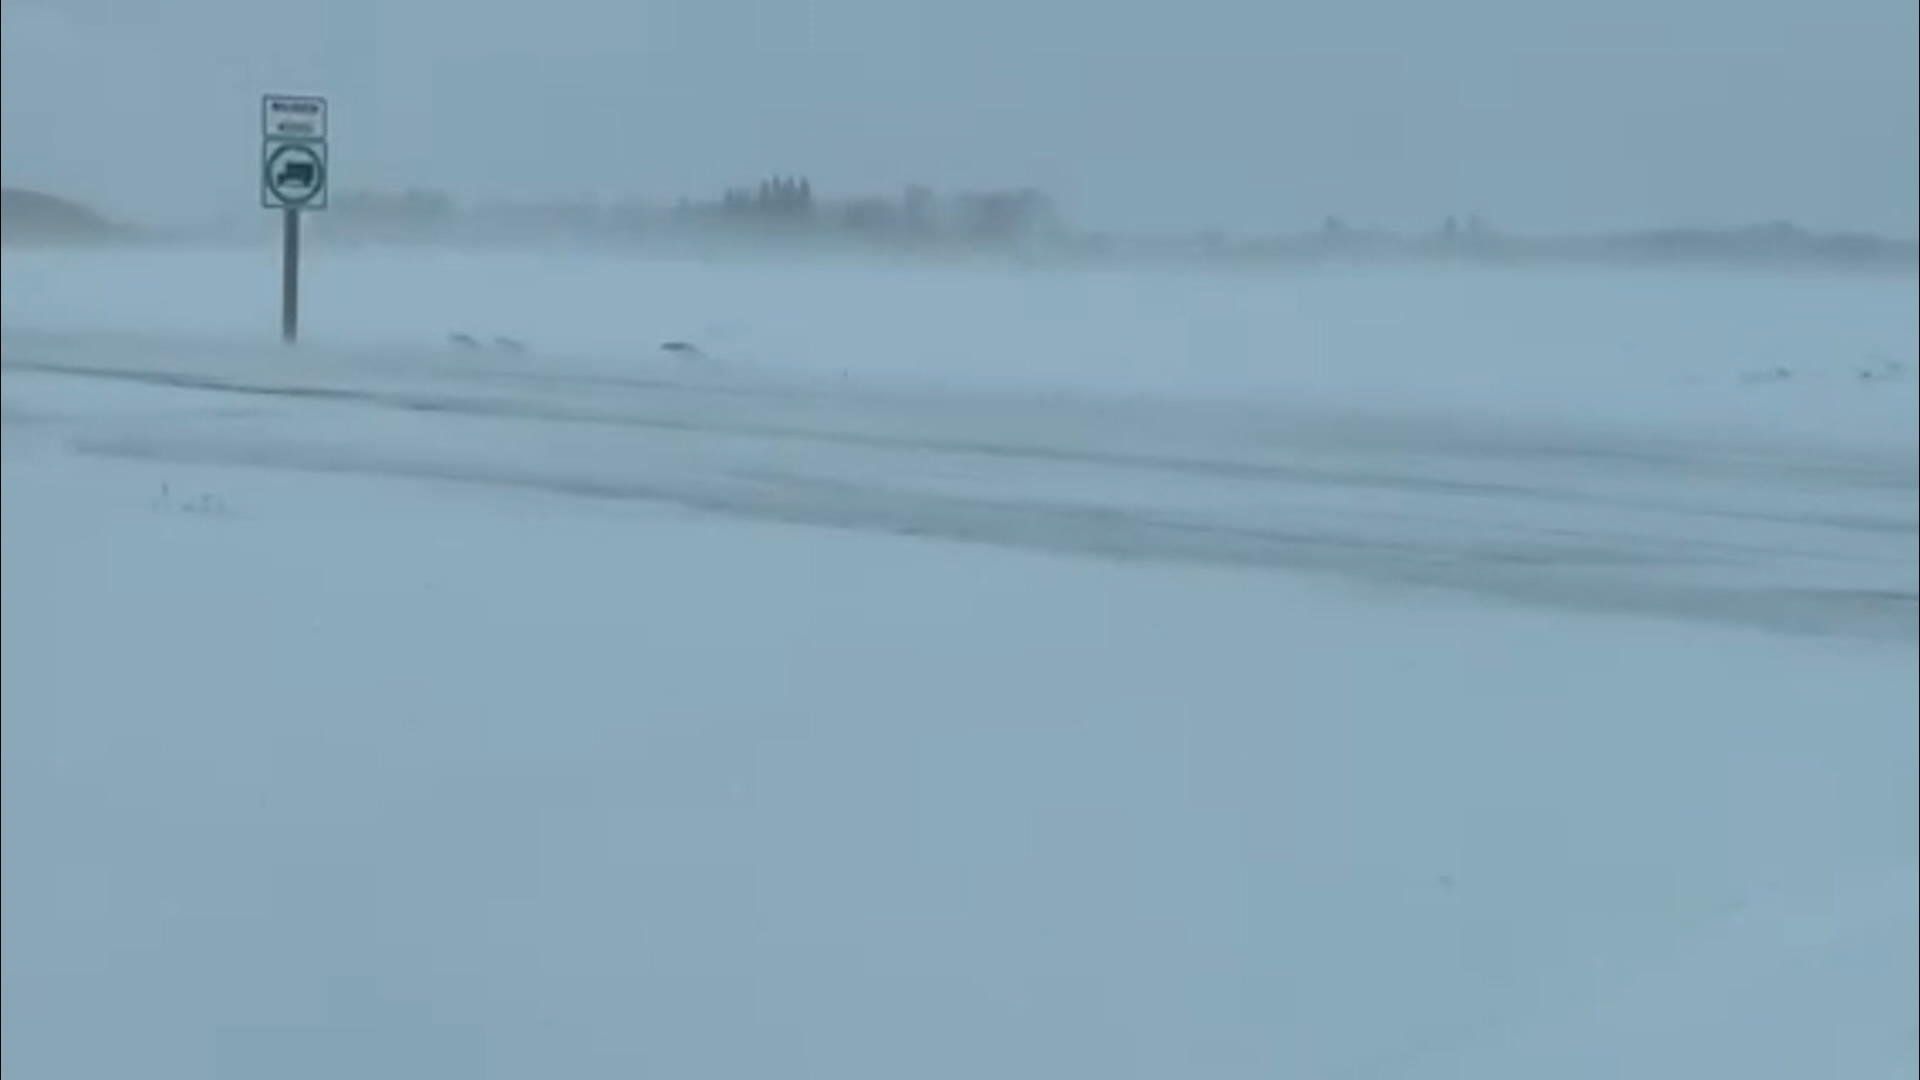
x: 1242, y: 114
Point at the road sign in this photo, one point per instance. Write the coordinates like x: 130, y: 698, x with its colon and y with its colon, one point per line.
x: 283, y: 116
x: 293, y: 174
x: 293, y: 177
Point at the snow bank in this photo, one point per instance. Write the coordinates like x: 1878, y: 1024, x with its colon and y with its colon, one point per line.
x: 355, y: 776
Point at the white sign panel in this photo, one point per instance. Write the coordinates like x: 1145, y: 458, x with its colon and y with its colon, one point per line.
x: 283, y: 116
x: 293, y: 174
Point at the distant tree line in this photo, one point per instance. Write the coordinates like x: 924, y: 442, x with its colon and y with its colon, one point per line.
x: 414, y: 214
x: 785, y: 205
x: 782, y: 198
x: 788, y: 209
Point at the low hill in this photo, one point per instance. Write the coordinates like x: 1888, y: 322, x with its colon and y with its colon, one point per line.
x: 36, y: 217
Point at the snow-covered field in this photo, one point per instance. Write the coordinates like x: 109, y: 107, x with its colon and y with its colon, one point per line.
x: 956, y: 672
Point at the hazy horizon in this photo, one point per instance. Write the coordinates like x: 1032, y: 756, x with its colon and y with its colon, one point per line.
x: 1226, y: 114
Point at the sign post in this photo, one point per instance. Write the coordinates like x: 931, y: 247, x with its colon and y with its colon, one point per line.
x: 290, y: 276
x: 293, y: 177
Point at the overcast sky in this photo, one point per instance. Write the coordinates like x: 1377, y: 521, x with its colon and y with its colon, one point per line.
x: 1174, y: 114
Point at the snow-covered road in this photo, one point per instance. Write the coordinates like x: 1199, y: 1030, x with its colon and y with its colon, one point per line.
x: 1781, y: 534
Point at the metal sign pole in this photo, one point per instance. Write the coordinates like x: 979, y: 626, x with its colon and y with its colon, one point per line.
x: 290, y: 277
